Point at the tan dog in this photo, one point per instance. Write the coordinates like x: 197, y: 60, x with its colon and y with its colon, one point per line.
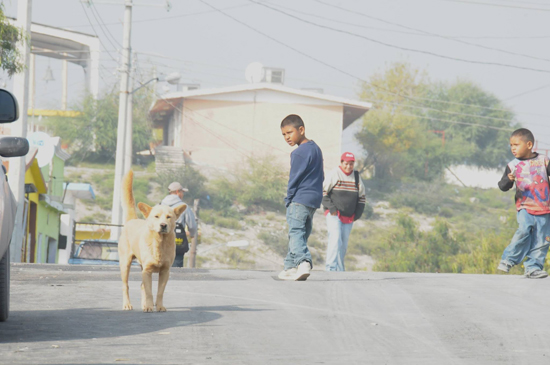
x: 151, y: 241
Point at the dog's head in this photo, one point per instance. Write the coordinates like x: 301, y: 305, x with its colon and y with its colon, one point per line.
x: 161, y: 218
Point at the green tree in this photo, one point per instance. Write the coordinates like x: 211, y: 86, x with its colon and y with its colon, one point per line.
x: 11, y: 38
x: 475, y: 122
x: 92, y: 135
x: 417, y: 128
x: 396, y: 140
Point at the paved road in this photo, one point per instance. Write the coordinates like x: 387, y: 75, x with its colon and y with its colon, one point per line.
x: 71, y: 314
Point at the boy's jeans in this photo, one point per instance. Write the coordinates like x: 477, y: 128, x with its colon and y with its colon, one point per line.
x: 531, y: 239
x: 338, y: 234
x: 299, y: 219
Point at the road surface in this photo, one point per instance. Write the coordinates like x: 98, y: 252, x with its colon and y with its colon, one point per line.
x: 72, y: 315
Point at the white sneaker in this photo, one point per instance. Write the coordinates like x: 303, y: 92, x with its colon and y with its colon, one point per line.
x: 303, y: 271
x: 289, y: 274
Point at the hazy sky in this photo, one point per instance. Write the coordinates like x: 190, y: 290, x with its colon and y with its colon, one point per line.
x: 212, y: 49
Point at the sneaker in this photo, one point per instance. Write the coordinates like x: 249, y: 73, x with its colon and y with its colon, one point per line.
x: 537, y: 274
x: 503, y: 266
x: 303, y: 271
x: 289, y: 274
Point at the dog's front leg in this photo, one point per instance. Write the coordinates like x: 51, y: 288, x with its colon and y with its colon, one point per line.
x: 147, y: 290
x: 164, y: 275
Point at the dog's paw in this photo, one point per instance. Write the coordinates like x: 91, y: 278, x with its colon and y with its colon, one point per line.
x: 161, y: 309
x: 127, y: 307
x: 147, y: 309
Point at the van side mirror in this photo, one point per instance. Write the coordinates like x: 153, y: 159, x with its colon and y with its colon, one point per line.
x: 13, y: 146
x: 9, y: 109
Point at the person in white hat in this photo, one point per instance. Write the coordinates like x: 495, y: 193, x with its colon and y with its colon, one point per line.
x: 344, y: 202
x: 174, y: 199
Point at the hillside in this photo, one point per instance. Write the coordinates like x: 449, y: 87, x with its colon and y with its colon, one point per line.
x: 413, y: 227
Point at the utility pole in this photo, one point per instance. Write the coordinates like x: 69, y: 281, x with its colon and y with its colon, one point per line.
x: 129, y: 120
x: 19, y: 129
x: 116, y: 217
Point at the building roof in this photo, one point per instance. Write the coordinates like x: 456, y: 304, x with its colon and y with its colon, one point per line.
x: 353, y: 109
x: 80, y: 190
x: 31, y: 165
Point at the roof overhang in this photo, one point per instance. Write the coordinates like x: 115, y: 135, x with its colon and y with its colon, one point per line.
x: 80, y: 190
x: 52, y: 204
x: 164, y: 106
x: 31, y: 166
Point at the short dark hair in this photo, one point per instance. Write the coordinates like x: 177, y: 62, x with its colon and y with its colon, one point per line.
x: 292, y: 120
x: 524, y: 134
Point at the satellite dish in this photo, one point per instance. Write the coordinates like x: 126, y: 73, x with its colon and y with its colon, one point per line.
x: 45, y: 145
x: 254, y: 72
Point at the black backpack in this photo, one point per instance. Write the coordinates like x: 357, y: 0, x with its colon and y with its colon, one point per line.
x: 182, y: 244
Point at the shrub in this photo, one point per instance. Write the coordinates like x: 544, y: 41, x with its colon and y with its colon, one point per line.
x: 210, y: 216
x: 258, y: 182
x: 276, y: 241
x: 235, y: 258
x: 188, y: 177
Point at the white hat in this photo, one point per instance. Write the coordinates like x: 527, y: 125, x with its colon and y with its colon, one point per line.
x: 176, y: 186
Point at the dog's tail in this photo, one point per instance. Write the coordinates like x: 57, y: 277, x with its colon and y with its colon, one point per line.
x: 128, y: 202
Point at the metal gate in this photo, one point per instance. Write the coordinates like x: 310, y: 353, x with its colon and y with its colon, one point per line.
x: 92, y: 244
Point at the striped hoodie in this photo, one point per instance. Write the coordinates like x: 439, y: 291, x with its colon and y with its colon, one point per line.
x: 340, y: 194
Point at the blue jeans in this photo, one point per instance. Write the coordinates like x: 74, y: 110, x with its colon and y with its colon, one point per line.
x: 300, y: 222
x: 178, y: 261
x: 338, y: 235
x: 531, y: 240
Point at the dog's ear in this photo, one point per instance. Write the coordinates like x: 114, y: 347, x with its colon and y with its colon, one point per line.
x: 145, y: 209
x: 180, y: 209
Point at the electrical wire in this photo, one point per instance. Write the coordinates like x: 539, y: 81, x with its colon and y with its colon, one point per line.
x: 332, y: 85
x: 527, y: 92
x: 162, y: 18
x: 429, y: 33
x: 462, y: 123
x: 102, y: 25
x: 496, y: 5
x: 394, y: 46
x: 93, y: 28
x: 336, y: 68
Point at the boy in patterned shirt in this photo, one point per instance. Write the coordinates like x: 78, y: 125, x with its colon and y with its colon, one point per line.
x: 530, y: 171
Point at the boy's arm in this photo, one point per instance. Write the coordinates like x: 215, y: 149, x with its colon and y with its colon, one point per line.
x: 328, y: 184
x: 298, y: 166
x: 505, y: 183
x: 362, y: 200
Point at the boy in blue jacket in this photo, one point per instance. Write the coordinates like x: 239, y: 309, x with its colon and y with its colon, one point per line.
x: 304, y: 195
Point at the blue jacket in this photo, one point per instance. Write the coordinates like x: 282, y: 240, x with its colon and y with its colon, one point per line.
x: 305, y: 182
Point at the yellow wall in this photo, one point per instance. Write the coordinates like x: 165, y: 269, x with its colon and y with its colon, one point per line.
x: 92, y: 235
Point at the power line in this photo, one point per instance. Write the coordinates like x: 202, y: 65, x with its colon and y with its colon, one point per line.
x: 102, y: 30
x: 431, y: 34
x: 397, y: 47
x: 325, y: 84
x: 527, y: 92
x: 102, y: 25
x: 496, y: 5
x: 163, y: 18
x: 93, y: 28
x: 338, y: 69
x: 422, y: 107
x: 401, y: 31
x: 463, y: 123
